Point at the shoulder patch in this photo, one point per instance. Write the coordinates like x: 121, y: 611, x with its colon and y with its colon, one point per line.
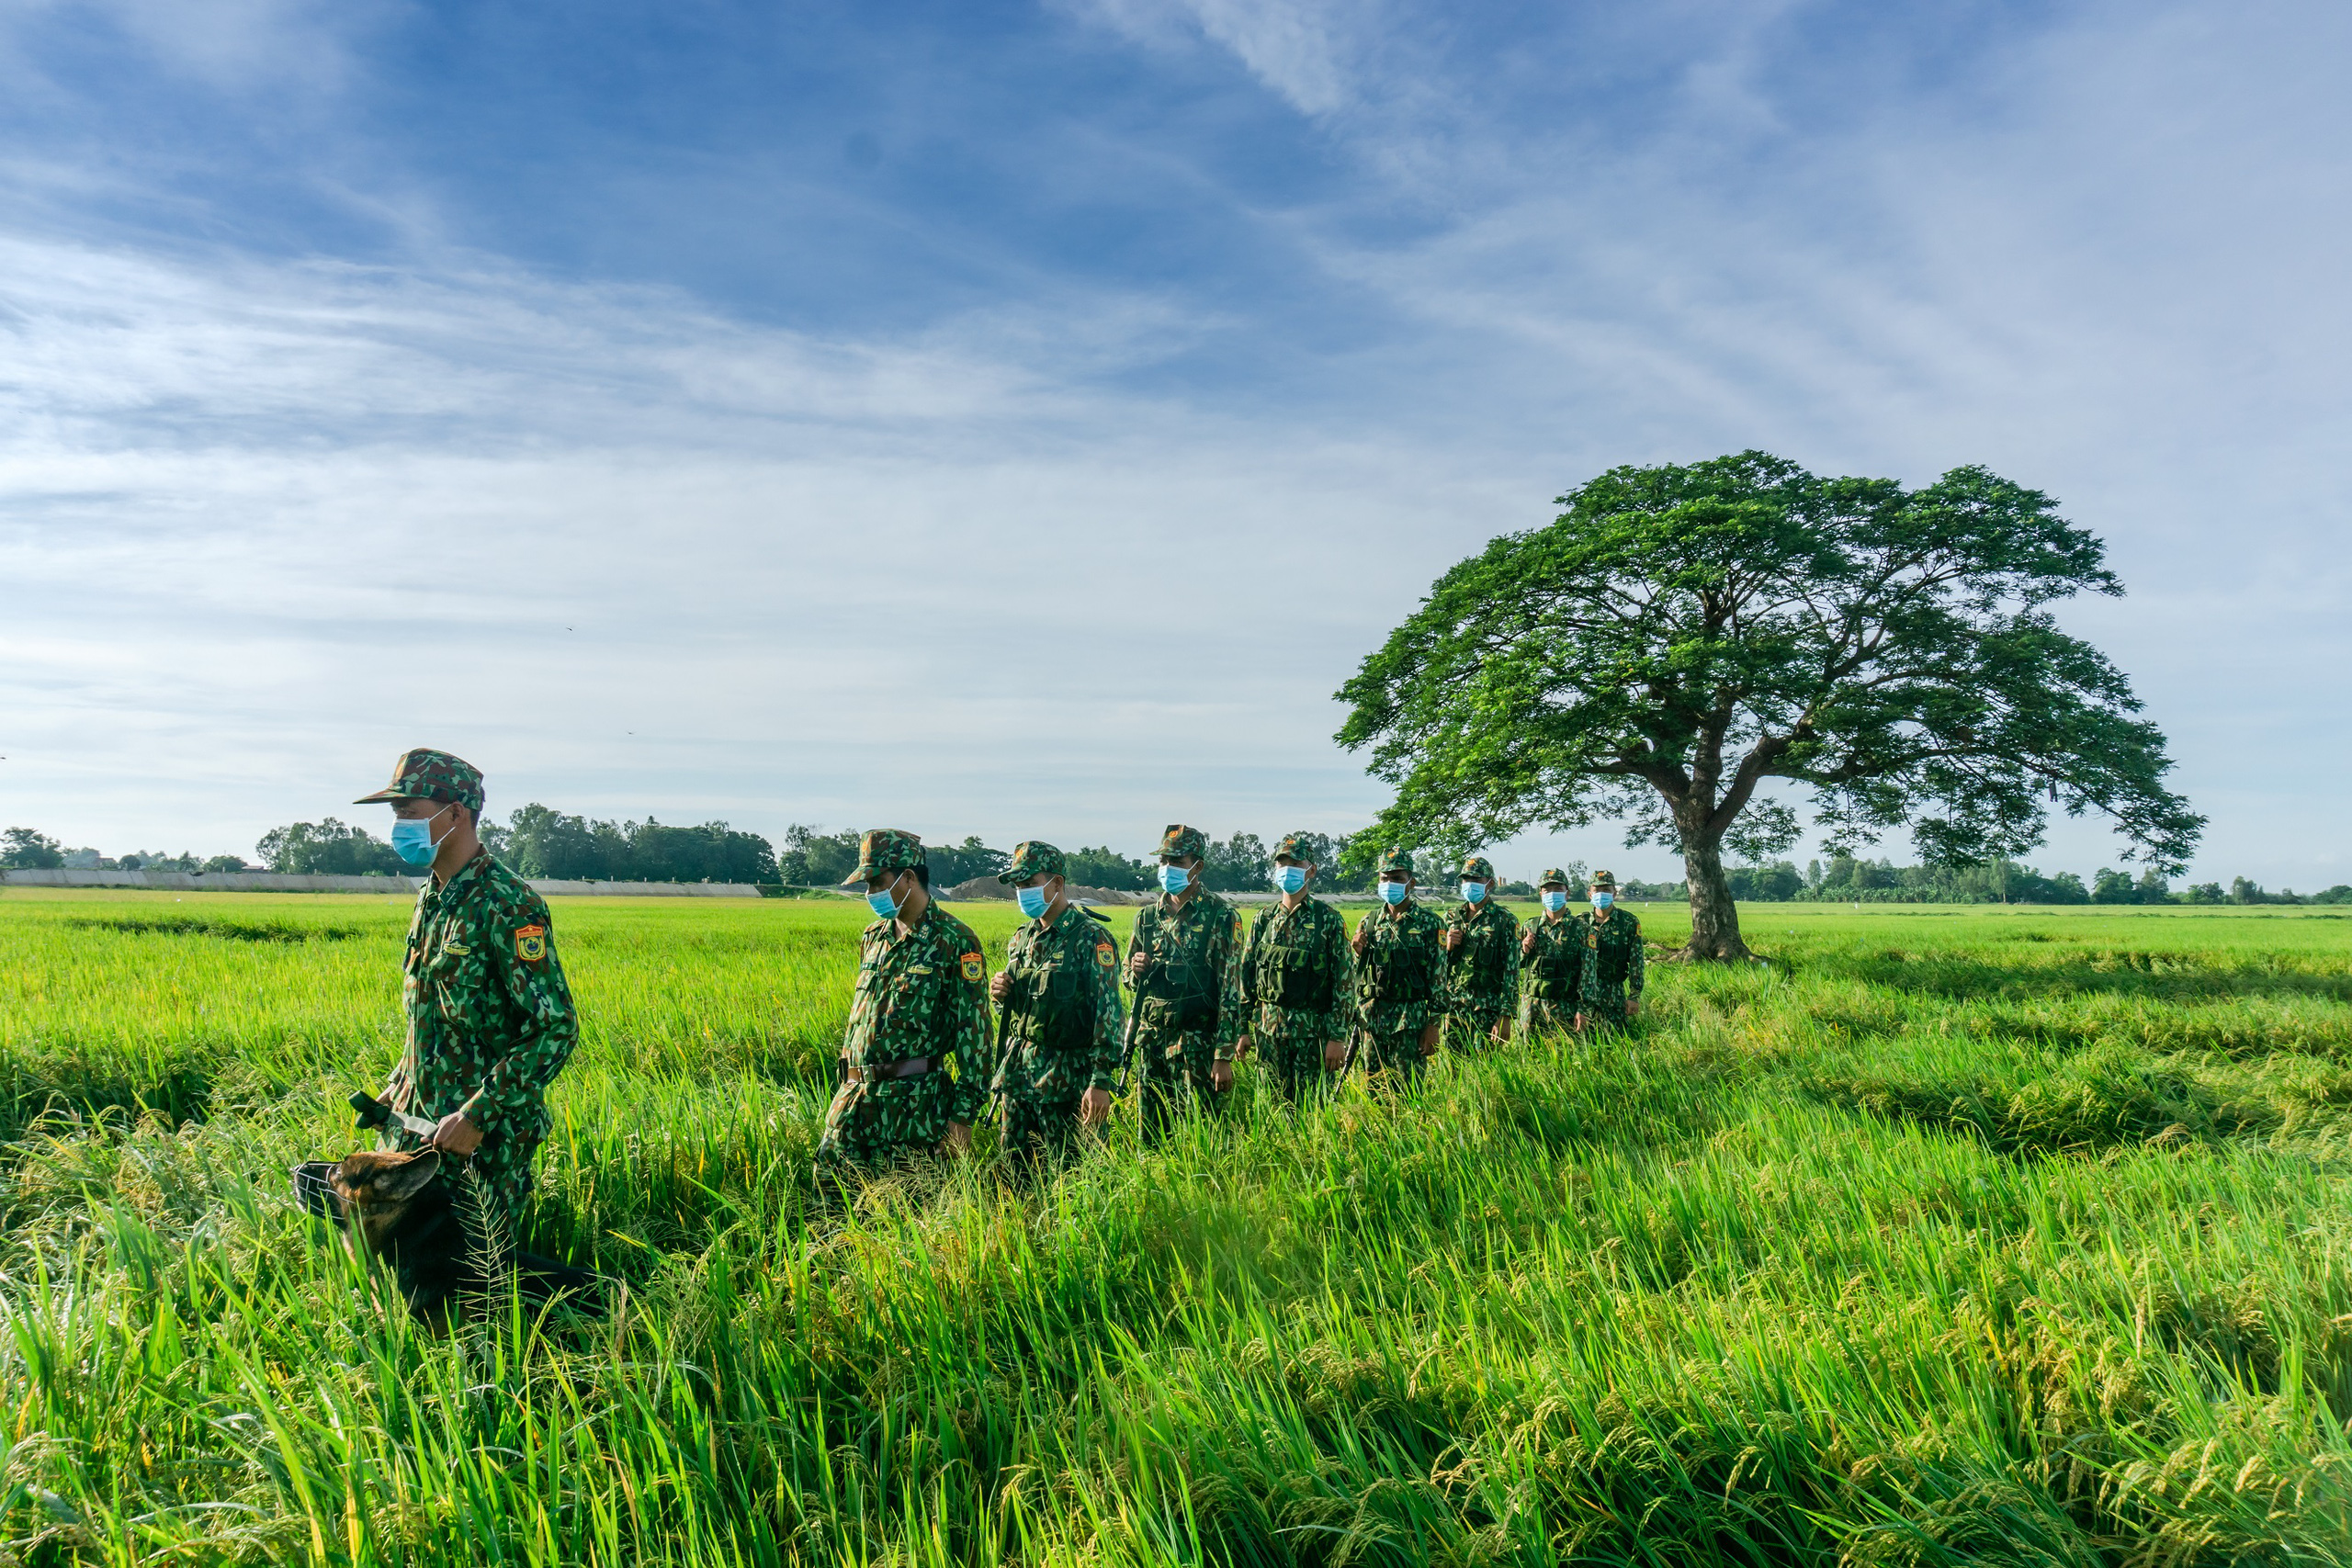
x: 530, y: 944
x: 974, y: 968
x: 1106, y: 955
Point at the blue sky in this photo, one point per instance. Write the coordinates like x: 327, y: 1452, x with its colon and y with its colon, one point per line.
x: 1020, y: 419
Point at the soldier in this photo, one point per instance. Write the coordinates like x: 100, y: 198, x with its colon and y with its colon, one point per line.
x: 1400, y: 957
x: 1613, y: 959
x: 1059, y: 990
x: 1299, y: 978
x: 1185, y: 961
x: 1551, y: 960
x: 490, y: 1017
x: 921, y: 1003
x: 1482, y: 963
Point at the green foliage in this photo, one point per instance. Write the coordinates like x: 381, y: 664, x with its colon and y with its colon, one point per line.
x: 328, y: 848
x: 1938, y: 1239
x: 1684, y: 633
x: 1106, y: 867
x: 22, y: 849
x: 813, y: 858
x: 538, y: 842
x: 1239, y: 864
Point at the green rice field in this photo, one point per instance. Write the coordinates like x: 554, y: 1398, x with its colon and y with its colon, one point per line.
x: 1986, y: 1236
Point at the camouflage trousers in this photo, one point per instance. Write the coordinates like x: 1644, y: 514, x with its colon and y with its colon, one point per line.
x: 1608, y: 1012
x: 1294, y: 1066
x: 1177, y: 1071
x: 1469, y: 1030
x: 1537, y: 1015
x: 1391, y: 1057
x: 875, y: 1124
x: 1039, y: 1131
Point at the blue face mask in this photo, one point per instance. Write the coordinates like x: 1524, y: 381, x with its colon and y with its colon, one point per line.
x: 882, y: 904
x: 1473, y: 891
x: 1555, y: 902
x: 1602, y: 901
x: 1395, y: 892
x: 1174, y: 879
x: 413, y: 840
x: 1033, y: 900
x: 1290, y: 878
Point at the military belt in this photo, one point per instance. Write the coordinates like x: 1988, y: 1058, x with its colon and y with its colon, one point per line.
x: 912, y: 1068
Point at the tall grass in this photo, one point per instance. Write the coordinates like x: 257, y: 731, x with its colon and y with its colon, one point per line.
x: 1992, y: 1237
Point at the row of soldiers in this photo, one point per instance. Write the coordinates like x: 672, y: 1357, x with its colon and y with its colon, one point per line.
x: 933, y: 1037
x: 1049, y: 1035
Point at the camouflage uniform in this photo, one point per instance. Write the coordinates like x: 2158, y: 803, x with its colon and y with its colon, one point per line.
x: 1400, y: 980
x: 1189, y: 1012
x: 922, y: 1001
x: 1298, y: 979
x: 1552, y: 967
x: 1061, y: 1017
x: 489, y: 1016
x: 1481, y: 974
x: 1614, y: 960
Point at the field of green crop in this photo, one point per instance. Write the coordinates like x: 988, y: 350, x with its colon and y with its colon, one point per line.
x: 1943, y: 1236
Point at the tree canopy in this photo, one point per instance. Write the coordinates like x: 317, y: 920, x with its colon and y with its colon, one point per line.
x: 1682, y: 634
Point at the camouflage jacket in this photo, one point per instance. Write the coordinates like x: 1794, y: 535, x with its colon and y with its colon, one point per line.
x: 1400, y: 981
x: 1298, y: 975
x: 1061, y: 1017
x: 1481, y: 974
x: 924, y: 994
x: 1554, y: 967
x: 490, y: 1017
x: 1612, y: 955
x: 1193, y: 984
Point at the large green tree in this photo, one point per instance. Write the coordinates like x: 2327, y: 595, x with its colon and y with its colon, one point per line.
x: 1682, y: 634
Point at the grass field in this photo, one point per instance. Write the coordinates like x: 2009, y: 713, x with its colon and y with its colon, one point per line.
x: 1985, y: 1236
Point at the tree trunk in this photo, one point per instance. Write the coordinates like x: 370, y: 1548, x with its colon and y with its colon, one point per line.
x: 1715, y: 919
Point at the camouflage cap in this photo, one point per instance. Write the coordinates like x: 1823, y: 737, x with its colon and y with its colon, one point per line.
x: 887, y: 848
x: 1605, y: 879
x: 1179, y: 840
x: 427, y: 775
x: 1477, y: 868
x: 1553, y: 876
x: 1034, y: 857
x: 1396, y: 860
x: 1295, y: 846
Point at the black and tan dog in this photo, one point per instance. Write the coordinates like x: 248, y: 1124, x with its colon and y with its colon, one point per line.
x: 410, y: 1211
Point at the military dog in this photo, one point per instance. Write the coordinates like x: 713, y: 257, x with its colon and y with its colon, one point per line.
x: 410, y: 1211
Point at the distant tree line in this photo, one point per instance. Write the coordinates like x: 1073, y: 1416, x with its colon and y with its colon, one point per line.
x: 1242, y: 864
x: 540, y: 842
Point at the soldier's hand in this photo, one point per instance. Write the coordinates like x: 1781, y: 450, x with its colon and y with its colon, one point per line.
x: 457, y: 1135
x: 1241, y: 1048
x: 1502, y: 1030
x: 1335, y: 1055
x: 1220, y: 1075
x: 1633, y: 1006
x: 1095, y: 1109
x: 1138, y: 962
x: 1527, y: 943
x: 1580, y: 1023
x: 1428, y: 1039
x: 1453, y: 940
x: 959, y: 1139
x: 1362, y: 935
x: 1000, y: 985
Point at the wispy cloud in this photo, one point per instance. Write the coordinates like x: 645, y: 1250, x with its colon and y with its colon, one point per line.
x: 1097, y: 547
